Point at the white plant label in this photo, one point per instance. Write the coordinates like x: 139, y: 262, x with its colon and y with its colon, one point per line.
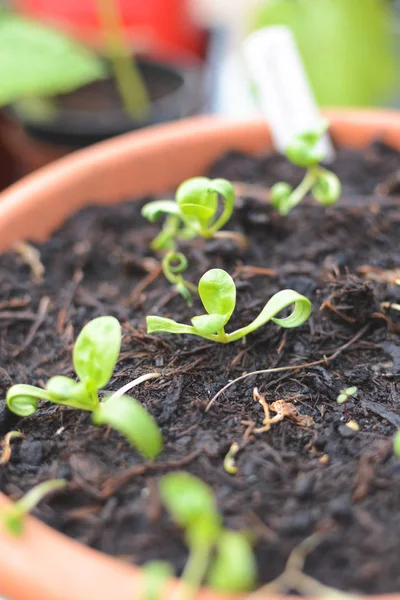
x: 284, y: 93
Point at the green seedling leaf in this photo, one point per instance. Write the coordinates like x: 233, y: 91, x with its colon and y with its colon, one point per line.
x: 327, y: 188
x: 163, y: 325
x: 207, y: 324
x: 187, y: 498
x: 152, y: 211
x: 36, y: 60
x: 234, y: 568
x: 197, y: 201
x: 227, y: 191
x: 131, y: 419
x: 96, y: 351
x: 280, y: 194
x: 64, y: 390
x: 303, y: 154
x: 218, y: 293
x: 346, y: 394
x: 156, y: 574
x: 278, y: 302
x: 23, y: 399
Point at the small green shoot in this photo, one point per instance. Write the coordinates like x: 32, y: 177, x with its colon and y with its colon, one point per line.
x: 13, y: 516
x: 229, y: 460
x: 323, y: 184
x: 192, y: 505
x: 173, y: 264
x: 396, y: 443
x: 95, y: 354
x: 156, y: 574
x: 194, y: 212
x: 346, y: 394
x: 217, y: 291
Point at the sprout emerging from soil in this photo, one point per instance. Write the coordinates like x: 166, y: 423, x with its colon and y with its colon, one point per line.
x: 13, y: 516
x: 95, y: 354
x: 192, y: 505
x: 194, y: 213
x: 217, y: 291
x: 323, y: 184
x: 173, y: 264
x: 346, y: 394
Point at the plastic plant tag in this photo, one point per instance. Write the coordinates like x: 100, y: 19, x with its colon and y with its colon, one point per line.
x: 283, y: 91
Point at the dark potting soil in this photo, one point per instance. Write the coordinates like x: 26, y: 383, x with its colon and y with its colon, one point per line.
x: 292, y: 480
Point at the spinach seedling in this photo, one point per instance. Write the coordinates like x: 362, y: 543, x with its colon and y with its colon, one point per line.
x: 191, y: 504
x: 346, y: 394
x: 194, y: 212
x: 217, y: 291
x: 13, y: 516
x: 173, y: 264
x: 323, y: 184
x: 95, y: 354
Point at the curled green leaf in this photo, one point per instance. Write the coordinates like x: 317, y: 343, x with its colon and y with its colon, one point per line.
x: 174, y: 264
x: 130, y: 418
x: 23, y: 399
x: 152, y: 211
x: 280, y: 194
x: 327, y: 188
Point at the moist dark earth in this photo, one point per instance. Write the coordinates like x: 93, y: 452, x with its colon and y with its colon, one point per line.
x: 292, y: 480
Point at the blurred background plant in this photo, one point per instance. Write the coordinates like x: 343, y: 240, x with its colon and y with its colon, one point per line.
x: 188, y: 52
x: 348, y: 46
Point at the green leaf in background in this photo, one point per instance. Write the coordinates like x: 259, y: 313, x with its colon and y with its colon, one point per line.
x: 36, y: 60
x: 348, y: 46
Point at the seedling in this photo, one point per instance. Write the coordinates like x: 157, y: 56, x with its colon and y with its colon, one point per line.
x: 346, y: 394
x: 192, y: 505
x: 230, y: 459
x: 173, y: 264
x: 95, y: 354
x: 217, y: 291
x: 156, y: 574
x: 13, y: 516
x: 323, y: 184
x: 194, y: 212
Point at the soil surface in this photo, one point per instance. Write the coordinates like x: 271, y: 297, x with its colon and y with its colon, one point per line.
x: 292, y: 480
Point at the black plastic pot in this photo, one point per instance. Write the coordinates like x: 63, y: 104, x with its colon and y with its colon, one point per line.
x: 94, y: 113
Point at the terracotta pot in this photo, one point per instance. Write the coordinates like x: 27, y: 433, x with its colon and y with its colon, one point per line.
x: 93, y: 113
x: 43, y: 564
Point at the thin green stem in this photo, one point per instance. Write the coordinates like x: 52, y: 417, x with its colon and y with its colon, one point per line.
x: 131, y: 87
x: 300, y: 192
x: 194, y: 573
x: 13, y: 516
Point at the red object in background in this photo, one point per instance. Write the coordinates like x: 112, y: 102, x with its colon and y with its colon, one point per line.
x: 158, y: 27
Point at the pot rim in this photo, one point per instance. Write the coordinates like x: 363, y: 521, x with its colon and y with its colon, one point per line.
x: 45, y: 564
